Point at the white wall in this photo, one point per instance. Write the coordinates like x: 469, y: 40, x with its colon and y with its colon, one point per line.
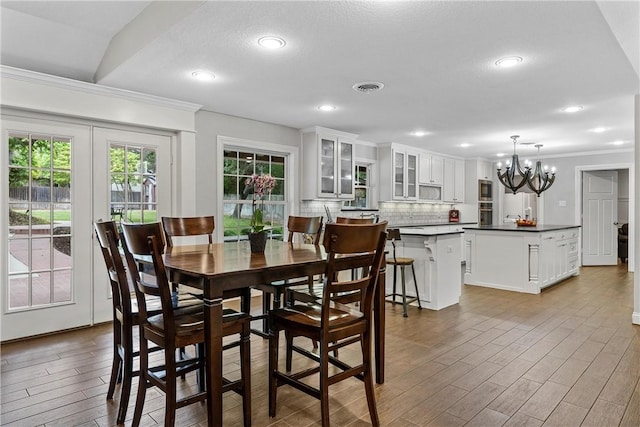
x: 563, y: 189
x: 209, y: 126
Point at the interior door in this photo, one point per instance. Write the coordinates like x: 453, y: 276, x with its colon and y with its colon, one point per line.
x: 599, y: 212
x: 132, y: 183
x: 46, y: 189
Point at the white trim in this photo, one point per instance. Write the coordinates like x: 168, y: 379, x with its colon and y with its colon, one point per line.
x: 93, y: 88
x: 291, y: 171
x: 587, y: 153
x: 635, y: 318
x: 338, y: 133
x: 578, y: 202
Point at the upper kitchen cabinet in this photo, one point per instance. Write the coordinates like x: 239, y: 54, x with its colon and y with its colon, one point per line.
x: 453, y: 187
x: 431, y: 169
x: 328, y: 164
x: 398, y: 173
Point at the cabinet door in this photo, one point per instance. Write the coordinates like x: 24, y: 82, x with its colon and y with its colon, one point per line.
x: 328, y: 150
x: 412, y: 177
x: 346, y: 162
x: 437, y: 170
x: 398, y: 175
x: 449, y: 182
x: 458, y: 178
x: 485, y: 171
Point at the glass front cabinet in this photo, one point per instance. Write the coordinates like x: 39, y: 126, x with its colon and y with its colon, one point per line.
x: 328, y: 164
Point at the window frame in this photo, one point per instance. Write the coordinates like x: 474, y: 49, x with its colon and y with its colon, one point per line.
x: 290, y: 154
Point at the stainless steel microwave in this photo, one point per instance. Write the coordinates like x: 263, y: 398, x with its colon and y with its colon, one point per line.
x: 485, y: 190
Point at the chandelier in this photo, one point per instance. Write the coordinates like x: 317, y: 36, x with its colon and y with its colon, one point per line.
x: 514, y: 177
x: 540, y: 180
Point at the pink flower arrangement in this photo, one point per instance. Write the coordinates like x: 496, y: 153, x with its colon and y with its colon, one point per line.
x: 259, y: 185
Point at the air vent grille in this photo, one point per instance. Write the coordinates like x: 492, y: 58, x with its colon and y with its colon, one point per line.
x: 368, y: 87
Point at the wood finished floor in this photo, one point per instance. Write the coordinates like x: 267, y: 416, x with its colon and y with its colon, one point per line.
x: 567, y: 357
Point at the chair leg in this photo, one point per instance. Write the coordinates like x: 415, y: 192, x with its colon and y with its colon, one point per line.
x: 395, y: 278
x: 245, y: 372
x: 404, y: 293
x: 368, y: 379
x: 116, y: 365
x: 289, y: 350
x: 142, y: 383
x: 415, y: 282
x: 200, y: 377
x: 170, y: 387
x: 324, y: 383
x: 127, y: 374
x: 273, y: 367
x: 266, y: 306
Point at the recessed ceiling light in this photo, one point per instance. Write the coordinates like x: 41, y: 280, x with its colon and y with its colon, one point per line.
x: 326, y: 107
x: 203, y: 76
x: 572, y: 109
x: 419, y: 133
x: 509, y: 61
x: 618, y: 142
x: 271, y: 42
x: 599, y: 129
x: 368, y: 87
x: 465, y: 145
x: 500, y: 154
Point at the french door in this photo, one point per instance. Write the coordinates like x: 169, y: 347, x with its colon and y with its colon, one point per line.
x: 46, y: 189
x: 132, y: 183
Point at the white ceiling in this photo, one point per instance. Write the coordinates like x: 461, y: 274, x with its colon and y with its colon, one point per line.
x: 436, y: 59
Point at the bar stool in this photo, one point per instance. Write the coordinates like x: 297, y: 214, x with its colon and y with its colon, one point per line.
x: 402, y: 262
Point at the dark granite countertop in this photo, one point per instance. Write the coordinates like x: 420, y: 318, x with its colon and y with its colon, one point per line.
x: 514, y: 227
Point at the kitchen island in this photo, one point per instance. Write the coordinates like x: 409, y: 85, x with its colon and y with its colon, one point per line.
x: 522, y: 259
x: 437, y: 252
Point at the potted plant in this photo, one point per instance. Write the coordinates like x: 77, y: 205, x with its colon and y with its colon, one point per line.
x: 259, y: 186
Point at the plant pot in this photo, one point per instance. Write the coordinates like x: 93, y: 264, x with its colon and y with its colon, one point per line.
x: 258, y: 242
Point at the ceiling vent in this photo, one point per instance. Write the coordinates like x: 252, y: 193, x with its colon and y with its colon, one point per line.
x: 368, y: 87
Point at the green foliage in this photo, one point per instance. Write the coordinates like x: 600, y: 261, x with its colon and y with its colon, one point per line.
x: 40, y: 163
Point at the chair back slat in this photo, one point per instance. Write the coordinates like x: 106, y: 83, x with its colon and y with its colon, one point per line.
x: 145, y: 240
x: 311, y: 226
x: 348, y: 220
x: 188, y: 226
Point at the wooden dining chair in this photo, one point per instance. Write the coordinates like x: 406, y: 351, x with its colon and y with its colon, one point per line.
x: 331, y: 322
x: 308, y: 229
x: 355, y: 220
x: 126, y: 316
x: 173, y: 329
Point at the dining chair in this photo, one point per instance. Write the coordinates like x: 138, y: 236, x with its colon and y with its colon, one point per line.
x: 126, y: 316
x: 332, y: 322
x: 188, y: 226
x: 173, y: 329
x: 308, y: 230
x: 402, y: 263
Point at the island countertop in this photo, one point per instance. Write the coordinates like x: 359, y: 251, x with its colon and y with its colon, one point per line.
x: 513, y: 227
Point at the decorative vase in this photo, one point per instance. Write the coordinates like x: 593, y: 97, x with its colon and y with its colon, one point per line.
x: 258, y: 242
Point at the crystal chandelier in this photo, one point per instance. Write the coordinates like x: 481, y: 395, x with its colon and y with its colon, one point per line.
x: 514, y: 177
x: 540, y: 180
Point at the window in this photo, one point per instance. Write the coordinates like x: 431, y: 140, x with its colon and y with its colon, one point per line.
x: 133, y: 183
x: 362, y: 188
x: 40, y: 223
x: 238, y: 166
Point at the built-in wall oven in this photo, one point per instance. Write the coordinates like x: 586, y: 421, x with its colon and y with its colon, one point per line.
x: 485, y: 213
x: 485, y: 190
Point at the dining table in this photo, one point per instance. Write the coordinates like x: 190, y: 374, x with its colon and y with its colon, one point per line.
x: 219, y: 269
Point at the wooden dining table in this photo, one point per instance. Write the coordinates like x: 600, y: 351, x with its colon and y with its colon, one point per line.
x: 221, y: 268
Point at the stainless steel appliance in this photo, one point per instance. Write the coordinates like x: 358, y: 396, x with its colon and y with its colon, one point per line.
x: 485, y: 213
x: 485, y: 190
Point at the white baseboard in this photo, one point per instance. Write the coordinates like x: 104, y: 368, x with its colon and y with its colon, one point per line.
x: 635, y: 318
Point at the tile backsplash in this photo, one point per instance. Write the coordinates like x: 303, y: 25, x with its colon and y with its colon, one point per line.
x: 394, y: 212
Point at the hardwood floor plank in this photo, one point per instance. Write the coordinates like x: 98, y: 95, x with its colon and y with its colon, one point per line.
x: 522, y: 420
x: 604, y: 413
x: 475, y: 401
x: 632, y: 413
x: 569, y: 373
x: 565, y: 415
x: 585, y: 391
x: 544, y: 400
x: 544, y: 369
x: 510, y: 401
x: 487, y: 417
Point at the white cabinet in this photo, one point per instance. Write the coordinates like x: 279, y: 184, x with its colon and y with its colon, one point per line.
x: 453, y: 184
x: 398, y: 174
x: 485, y: 170
x: 431, y: 169
x: 328, y: 164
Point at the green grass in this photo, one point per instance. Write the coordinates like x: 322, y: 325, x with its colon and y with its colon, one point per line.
x: 58, y: 215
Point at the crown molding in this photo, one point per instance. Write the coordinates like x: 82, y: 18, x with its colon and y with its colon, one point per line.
x: 93, y: 88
